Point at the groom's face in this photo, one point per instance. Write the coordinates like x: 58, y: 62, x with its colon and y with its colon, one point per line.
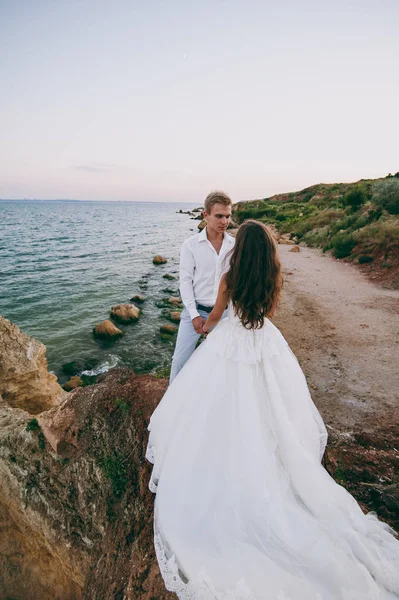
x: 218, y: 218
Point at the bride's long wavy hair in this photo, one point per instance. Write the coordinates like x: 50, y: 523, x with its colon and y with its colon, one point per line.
x: 254, y: 279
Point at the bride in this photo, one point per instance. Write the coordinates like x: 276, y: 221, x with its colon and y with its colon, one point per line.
x: 244, y: 509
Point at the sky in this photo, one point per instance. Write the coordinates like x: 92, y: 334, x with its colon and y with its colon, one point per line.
x: 165, y: 100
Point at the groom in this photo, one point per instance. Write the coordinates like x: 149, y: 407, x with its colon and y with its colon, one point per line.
x: 202, y: 263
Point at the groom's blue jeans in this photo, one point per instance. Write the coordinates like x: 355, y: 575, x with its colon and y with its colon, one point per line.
x: 186, y: 342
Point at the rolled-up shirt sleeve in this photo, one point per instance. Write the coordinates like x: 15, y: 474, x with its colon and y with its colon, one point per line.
x: 186, y: 272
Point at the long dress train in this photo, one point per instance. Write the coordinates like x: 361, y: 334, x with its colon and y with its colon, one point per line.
x: 244, y: 510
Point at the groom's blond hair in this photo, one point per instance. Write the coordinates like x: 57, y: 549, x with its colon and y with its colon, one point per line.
x: 216, y: 197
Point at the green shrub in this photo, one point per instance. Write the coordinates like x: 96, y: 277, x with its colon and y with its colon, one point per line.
x: 356, y: 197
x: 41, y: 440
x: 342, y: 245
x: 386, y: 195
x: 122, y: 405
x: 363, y: 260
x: 33, y: 425
x: 114, y: 469
x: 162, y: 372
x: 375, y: 213
x: 317, y: 237
x: 350, y: 223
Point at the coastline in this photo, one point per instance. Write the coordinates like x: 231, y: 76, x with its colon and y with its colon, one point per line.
x: 75, y: 500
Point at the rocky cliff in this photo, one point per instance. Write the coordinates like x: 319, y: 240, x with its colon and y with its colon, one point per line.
x: 24, y: 379
x: 75, y: 509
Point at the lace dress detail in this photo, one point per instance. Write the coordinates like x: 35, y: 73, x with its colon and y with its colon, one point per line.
x: 202, y: 588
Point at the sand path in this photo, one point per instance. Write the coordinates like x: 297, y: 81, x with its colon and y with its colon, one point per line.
x: 345, y: 333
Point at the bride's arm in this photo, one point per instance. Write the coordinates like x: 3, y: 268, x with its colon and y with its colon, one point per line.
x: 220, y: 306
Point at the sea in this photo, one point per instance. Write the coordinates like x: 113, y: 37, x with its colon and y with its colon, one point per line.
x: 64, y: 264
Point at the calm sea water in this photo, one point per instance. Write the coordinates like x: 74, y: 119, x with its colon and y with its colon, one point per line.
x: 64, y: 264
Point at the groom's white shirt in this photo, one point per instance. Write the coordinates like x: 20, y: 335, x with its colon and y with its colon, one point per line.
x: 201, y: 268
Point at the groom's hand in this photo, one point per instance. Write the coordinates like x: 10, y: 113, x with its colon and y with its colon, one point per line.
x: 198, y: 324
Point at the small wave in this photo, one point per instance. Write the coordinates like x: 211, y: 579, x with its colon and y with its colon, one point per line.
x: 103, y: 368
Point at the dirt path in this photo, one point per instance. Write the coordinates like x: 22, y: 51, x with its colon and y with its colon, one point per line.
x: 345, y: 333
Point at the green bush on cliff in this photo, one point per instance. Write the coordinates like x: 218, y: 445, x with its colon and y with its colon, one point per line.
x: 33, y: 425
x: 386, y: 195
x: 123, y: 406
x: 114, y: 469
x: 356, y: 197
x: 342, y: 245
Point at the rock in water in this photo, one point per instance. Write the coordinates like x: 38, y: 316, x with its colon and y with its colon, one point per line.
x: 24, y: 379
x: 107, y: 329
x: 138, y: 298
x: 168, y: 329
x: 295, y: 249
x: 202, y: 225
x: 174, y: 300
x: 125, y: 313
x: 174, y: 316
x: 159, y: 260
x: 73, y: 383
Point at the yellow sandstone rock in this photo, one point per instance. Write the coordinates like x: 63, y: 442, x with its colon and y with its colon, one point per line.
x: 159, y: 260
x: 24, y: 379
x: 126, y: 313
x: 106, y: 329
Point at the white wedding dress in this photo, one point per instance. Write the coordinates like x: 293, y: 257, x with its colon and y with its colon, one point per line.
x: 244, y: 509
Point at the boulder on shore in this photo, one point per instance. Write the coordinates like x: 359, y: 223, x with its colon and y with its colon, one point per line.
x: 125, y: 313
x: 107, y: 329
x: 24, y: 380
x: 159, y: 260
x: 286, y: 238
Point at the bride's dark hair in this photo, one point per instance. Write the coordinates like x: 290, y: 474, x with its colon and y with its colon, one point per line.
x: 254, y: 279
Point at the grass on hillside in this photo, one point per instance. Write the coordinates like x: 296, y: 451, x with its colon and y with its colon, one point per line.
x: 353, y: 220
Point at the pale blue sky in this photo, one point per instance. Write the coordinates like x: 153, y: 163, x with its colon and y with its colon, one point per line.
x: 165, y: 100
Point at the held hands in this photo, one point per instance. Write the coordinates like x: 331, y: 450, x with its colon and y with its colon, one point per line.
x: 198, y: 324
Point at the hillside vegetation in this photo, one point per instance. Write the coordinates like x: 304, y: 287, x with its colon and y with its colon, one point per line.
x: 355, y: 221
